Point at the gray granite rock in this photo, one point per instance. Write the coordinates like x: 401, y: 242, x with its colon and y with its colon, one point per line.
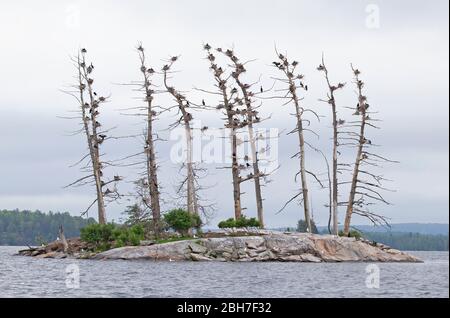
x: 268, y: 246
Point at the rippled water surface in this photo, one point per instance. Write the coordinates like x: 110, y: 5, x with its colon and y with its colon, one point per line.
x: 30, y: 277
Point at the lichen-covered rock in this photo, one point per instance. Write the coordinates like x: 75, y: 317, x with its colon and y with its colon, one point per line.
x: 199, y: 258
x: 197, y: 248
x: 174, y: 251
x: 267, y: 246
x: 147, y: 243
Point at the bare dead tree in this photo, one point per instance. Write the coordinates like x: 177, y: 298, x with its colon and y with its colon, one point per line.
x: 147, y: 188
x: 89, y: 103
x: 364, y: 192
x: 251, y: 115
x: 295, y: 82
x: 62, y: 238
x: 149, y: 148
x: 336, y: 124
x: 230, y: 102
x: 184, y: 106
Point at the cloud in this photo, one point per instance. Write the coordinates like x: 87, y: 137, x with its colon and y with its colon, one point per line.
x: 404, y: 62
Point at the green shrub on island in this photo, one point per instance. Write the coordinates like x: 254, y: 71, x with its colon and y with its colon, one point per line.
x: 182, y: 221
x: 128, y: 236
x: 97, y: 233
x: 227, y: 224
x: 106, y: 236
x: 242, y: 222
x: 353, y: 233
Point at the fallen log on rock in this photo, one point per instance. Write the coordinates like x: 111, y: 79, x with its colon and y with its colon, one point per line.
x: 73, y: 247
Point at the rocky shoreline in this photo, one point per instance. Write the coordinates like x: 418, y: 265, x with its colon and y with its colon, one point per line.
x: 264, y: 247
x: 76, y: 249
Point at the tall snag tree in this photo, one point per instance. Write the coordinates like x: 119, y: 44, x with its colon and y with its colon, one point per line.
x: 296, y: 82
x: 183, y: 105
x: 335, y: 165
x: 364, y: 192
x: 230, y: 103
x: 251, y: 117
x: 147, y: 188
x: 89, y: 103
x: 150, y: 181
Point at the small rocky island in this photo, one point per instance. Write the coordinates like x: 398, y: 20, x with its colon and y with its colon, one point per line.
x: 261, y: 246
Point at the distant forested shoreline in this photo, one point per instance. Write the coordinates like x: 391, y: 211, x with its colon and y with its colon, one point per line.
x: 21, y: 228
x: 410, y: 241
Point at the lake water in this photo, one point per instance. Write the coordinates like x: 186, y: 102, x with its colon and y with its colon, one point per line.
x: 30, y: 277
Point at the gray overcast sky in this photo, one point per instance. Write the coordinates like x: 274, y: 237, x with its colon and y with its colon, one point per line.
x: 404, y: 62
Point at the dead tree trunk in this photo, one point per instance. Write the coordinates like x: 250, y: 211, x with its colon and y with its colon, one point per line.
x: 365, y: 189
x: 301, y: 137
x: 62, y: 237
x: 288, y: 69
x: 335, y: 167
x: 186, y: 117
x: 234, y: 145
x: 233, y: 123
x: 93, y: 138
x: 191, y: 197
x: 149, y: 148
x: 89, y: 103
x: 361, y: 111
x: 251, y: 117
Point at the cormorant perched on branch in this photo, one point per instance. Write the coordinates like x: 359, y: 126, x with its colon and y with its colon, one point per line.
x: 102, y: 138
